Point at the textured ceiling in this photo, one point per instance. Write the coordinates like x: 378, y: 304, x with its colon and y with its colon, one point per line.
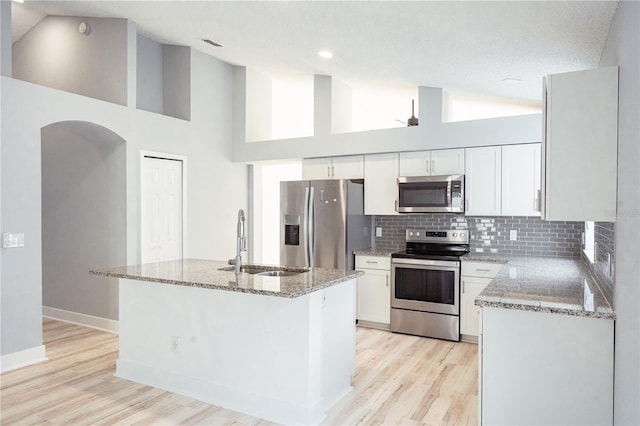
x: 460, y: 46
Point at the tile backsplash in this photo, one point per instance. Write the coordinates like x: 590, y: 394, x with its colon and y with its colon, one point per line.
x: 490, y: 234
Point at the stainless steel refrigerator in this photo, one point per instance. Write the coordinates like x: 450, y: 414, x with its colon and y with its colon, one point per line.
x: 322, y: 222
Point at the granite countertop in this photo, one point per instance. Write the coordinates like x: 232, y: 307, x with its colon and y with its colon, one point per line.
x: 373, y: 252
x: 558, y: 285
x: 484, y: 257
x: 207, y: 274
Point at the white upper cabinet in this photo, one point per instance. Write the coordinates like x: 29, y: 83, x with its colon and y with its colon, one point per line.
x: 580, y: 145
x: 347, y: 167
x: 483, y: 181
x: 521, y: 180
x: 381, y: 184
x: 432, y: 163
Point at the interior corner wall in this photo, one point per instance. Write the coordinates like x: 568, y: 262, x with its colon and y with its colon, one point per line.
x: 149, y: 89
x: 258, y: 106
x: 83, y: 217
x: 5, y: 38
x: 177, y: 81
x: 623, y: 49
x: 55, y: 54
x: 341, y: 107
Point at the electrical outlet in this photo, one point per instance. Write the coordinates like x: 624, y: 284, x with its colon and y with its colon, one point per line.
x: 513, y: 235
x: 12, y: 240
x: 175, y: 343
x: 378, y: 231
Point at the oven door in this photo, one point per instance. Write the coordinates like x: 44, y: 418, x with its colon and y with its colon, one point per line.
x: 426, y: 285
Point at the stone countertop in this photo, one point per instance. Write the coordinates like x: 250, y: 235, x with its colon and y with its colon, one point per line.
x: 207, y: 274
x: 373, y: 252
x: 484, y: 257
x: 558, y: 285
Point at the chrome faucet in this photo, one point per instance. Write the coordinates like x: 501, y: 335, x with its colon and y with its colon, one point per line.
x: 241, y: 241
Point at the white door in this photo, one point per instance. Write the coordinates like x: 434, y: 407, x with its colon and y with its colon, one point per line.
x: 447, y: 162
x: 521, y: 180
x: 381, y: 187
x: 161, y: 209
x: 483, y: 181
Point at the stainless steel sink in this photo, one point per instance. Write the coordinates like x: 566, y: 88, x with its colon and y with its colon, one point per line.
x: 278, y: 273
x: 265, y: 270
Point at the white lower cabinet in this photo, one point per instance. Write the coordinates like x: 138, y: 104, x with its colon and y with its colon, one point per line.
x: 475, y: 277
x: 373, y: 293
x: 541, y: 368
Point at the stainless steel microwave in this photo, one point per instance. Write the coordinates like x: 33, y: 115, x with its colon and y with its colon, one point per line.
x: 431, y: 194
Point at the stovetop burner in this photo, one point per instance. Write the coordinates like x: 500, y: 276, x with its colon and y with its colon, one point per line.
x: 436, y: 245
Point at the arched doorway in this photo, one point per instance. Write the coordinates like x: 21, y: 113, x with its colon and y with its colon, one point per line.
x: 83, y: 220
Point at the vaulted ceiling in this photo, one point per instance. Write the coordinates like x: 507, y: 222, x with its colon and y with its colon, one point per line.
x: 466, y: 46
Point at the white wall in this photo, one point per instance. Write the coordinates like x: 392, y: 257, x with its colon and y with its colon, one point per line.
x: 266, y: 207
x: 623, y: 49
x: 83, y: 217
x: 149, y: 94
x: 216, y: 187
x: 432, y: 133
x: 55, y: 54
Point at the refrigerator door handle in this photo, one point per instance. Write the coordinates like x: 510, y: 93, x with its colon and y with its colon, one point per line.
x: 311, y: 228
x: 305, y: 226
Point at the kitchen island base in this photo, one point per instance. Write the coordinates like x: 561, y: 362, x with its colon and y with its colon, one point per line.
x: 285, y: 360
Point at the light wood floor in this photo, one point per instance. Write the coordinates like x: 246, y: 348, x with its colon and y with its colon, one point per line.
x: 399, y: 380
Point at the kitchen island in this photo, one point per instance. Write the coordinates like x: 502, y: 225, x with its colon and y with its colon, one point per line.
x: 546, y: 345
x: 281, y: 348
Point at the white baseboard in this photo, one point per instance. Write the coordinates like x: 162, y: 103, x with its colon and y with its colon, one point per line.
x: 23, y: 358
x: 103, y: 324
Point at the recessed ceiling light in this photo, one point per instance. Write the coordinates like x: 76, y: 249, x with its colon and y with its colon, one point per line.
x: 213, y: 43
x: 511, y: 80
x: 325, y: 54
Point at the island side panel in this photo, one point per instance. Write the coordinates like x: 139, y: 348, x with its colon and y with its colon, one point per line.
x: 545, y: 368
x: 261, y: 355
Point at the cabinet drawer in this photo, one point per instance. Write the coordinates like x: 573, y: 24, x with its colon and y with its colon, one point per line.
x: 481, y: 269
x: 373, y: 262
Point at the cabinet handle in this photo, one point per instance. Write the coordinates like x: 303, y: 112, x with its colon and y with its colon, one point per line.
x: 395, y: 205
x: 483, y: 270
x: 433, y: 166
x: 328, y: 171
x: 462, y: 286
x: 427, y: 167
x: 539, y: 201
x: 333, y: 171
x: 387, y: 277
x: 371, y: 261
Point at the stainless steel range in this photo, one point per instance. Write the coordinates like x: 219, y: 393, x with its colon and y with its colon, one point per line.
x: 425, y: 283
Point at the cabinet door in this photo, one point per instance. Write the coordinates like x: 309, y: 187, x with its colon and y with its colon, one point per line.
x: 374, y: 296
x: 414, y: 163
x: 381, y: 184
x: 469, y: 312
x: 483, y: 181
x: 580, y: 146
x: 348, y: 167
x: 447, y: 162
x: 316, y: 168
x: 521, y: 180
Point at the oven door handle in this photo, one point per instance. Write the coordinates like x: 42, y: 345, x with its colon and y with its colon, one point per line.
x: 425, y: 262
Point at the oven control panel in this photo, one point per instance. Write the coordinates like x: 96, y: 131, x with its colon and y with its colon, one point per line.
x: 451, y: 236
